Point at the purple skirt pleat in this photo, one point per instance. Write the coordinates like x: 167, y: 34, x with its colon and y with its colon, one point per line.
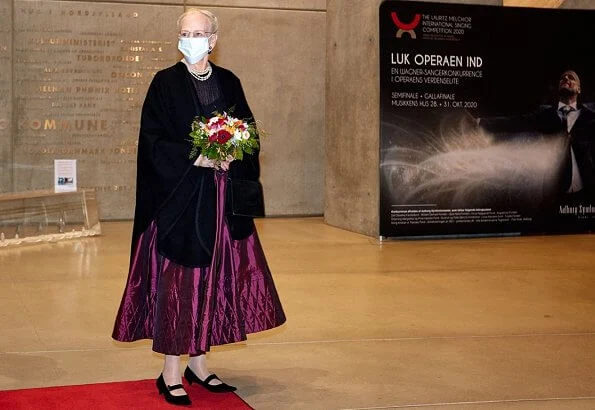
x: 187, y: 310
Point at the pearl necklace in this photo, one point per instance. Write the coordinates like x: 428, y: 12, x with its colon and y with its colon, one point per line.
x: 204, y: 75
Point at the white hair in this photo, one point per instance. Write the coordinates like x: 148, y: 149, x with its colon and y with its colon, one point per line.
x: 214, y: 23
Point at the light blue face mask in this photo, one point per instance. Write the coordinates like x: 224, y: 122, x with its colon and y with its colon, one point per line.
x: 194, y: 49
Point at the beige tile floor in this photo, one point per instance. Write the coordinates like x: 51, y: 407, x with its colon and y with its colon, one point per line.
x: 492, y: 323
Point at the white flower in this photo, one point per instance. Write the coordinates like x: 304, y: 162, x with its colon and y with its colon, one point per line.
x: 245, y: 135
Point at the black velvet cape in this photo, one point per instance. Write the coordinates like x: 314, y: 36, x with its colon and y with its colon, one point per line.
x: 170, y: 190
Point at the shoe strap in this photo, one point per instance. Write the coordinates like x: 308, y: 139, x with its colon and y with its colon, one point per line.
x: 210, y: 378
x: 175, y: 387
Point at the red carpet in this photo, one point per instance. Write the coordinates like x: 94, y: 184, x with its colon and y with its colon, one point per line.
x: 141, y: 394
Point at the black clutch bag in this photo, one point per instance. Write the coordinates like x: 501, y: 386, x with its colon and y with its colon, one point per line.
x: 245, y: 197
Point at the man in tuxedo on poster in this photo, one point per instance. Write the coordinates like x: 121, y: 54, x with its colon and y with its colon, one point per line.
x: 574, y: 123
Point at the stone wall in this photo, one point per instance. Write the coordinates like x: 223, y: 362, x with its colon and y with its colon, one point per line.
x: 578, y: 4
x: 5, y: 95
x: 73, y: 75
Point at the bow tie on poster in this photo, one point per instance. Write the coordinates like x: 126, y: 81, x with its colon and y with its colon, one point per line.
x: 565, y: 109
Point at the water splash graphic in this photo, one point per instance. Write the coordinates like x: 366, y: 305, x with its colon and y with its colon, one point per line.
x: 461, y: 165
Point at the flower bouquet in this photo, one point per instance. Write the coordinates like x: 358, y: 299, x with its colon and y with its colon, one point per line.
x: 223, y: 137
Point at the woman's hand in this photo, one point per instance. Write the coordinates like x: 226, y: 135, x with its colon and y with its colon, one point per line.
x: 225, y: 164
x: 205, y: 162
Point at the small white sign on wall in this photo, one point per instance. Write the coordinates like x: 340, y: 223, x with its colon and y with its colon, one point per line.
x: 64, y: 175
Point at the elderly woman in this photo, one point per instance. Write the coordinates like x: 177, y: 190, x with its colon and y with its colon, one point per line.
x: 198, y: 276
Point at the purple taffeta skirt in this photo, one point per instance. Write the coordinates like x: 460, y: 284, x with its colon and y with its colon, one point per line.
x: 187, y: 310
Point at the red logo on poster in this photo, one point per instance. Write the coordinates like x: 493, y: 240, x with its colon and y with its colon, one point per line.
x: 405, y: 27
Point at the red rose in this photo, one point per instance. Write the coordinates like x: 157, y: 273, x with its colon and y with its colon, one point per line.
x: 223, y: 136
x: 213, y: 137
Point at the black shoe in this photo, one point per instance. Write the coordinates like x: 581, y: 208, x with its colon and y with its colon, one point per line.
x: 215, y: 388
x: 164, y: 389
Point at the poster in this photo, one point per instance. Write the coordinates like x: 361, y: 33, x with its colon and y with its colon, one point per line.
x: 475, y: 136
